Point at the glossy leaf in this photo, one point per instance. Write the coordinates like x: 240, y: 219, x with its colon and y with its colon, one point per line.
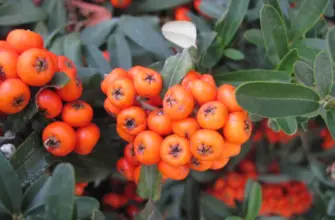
x: 214, y: 9
x: 308, y: 14
x: 119, y: 50
x: 95, y: 59
x: 150, y: 184
x: 233, y: 218
x: 57, y: 9
x: 85, y: 206
x: 304, y: 73
x: 297, y: 172
x: 60, y: 195
x: 233, y: 54
x: 30, y: 196
x: 273, y: 178
x: 59, y: 80
x: 192, y: 189
x: 323, y: 74
x: 255, y: 37
x: 157, y: 5
x: 274, y: 34
x: 287, y: 63
x: 254, y: 195
x: 277, y: 100
x: 288, y: 125
x: 275, y: 5
x: 73, y: 48
x: 10, y: 189
x: 97, y: 34
x: 205, y: 39
x: 331, y: 43
x: 201, y: 24
x: 238, y: 77
x: 214, y: 206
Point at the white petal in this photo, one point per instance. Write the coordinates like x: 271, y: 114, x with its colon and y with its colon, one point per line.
x: 181, y: 33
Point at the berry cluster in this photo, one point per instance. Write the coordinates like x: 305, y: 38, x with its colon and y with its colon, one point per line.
x: 283, y: 199
x: 196, y: 125
x: 24, y: 64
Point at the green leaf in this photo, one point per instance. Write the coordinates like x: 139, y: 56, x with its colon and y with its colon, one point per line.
x: 233, y: 54
x: 10, y: 189
x: 95, y: 59
x: 176, y: 67
x: 213, y: 54
x: 306, y: 17
x: 297, y: 172
x: 254, y: 195
x: 255, y: 37
x: 120, y: 52
x: 204, y: 177
x: 238, y: 77
x: 315, y: 43
x: 275, y: 5
x: 57, y: 9
x: 150, y: 212
x: 97, y: 34
x: 204, y: 40
x: 150, y: 184
x: 304, y: 73
x: 59, y: 80
x: 156, y: 5
x: 274, y: 34
x: 233, y: 218
x: 277, y: 100
x: 201, y: 24
x: 331, y: 206
x: 287, y: 63
x: 214, y: 206
x: 331, y: 43
x: 41, y: 28
x: 59, y: 200
x: 97, y: 215
x: 5, y: 213
x: 31, y: 159
x: 319, y: 171
x: 73, y: 48
x: 323, y: 74
x: 85, y: 206
x: 272, y: 123
x: 16, y: 14
x: 214, y: 9
x: 32, y: 196
x: 192, y: 190
x: 273, y: 178
x: 152, y: 40
x: 288, y: 125
x: 19, y: 121
x: 329, y: 118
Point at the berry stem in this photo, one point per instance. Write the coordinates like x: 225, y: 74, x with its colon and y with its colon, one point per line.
x: 145, y: 105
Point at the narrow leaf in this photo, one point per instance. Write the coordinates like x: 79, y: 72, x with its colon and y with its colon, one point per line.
x: 120, y: 52
x: 97, y: 34
x: 304, y: 73
x: 150, y: 184
x: 97, y: 215
x: 287, y: 63
x: 73, y: 48
x: 254, y: 201
x: 95, y: 59
x: 255, y: 37
x: 323, y: 74
x: 331, y: 43
x: 157, y: 5
x: 31, y: 193
x: 233, y: 54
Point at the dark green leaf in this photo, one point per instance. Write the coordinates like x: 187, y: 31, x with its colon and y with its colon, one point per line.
x: 41, y: 28
x: 97, y: 215
x: 85, y: 206
x: 20, y: 120
x: 213, y: 54
x: 331, y: 207
x: 288, y: 125
x: 95, y: 59
x: 201, y: 24
x: 306, y: 52
x: 254, y: 193
x: 150, y: 184
x: 274, y: 34
x: 192, y: 190
x: 297, y: 172
x: 287, y: 63
x: 304, y: 73
x: 319, y: 171
x: 214, y: 9
x: 255, y: 37
x: 59, y: 80
x: 73, y: 48
x: 315, y: 43
x: 202, y: 177
x: 60, y: 195
x: 214, y: 206
x: 233, y: 54
x: 323, y: 74
x: 329, y: 118
x: 308, y: 14
x: 238, y: 77
x: 274, y: 178
x: 272, y: 123
x: 205, y: 39
x: 119, y: 50
x: 233, y: 218
x: 57, y: 45
x: 134, y: 28
x: 277, y: 100
x: 56, y: 8
x: 156, y: 5
x: 30, y: 196
x: 10, y: 189
x: 97, y: 34
x: 5, y: 213
x: 150, y: 212
x: 331, y: 43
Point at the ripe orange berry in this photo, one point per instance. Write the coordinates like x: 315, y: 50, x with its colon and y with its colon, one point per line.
x: 59, y: 138
x: 79, y: 190
x: 191, y: 75
x: 178, y: 103
x: 77, y: 113
x: 71, y: 91
x: 67, y: 66
x: 137, y: 174
x: 226, y: 95
x: 147, y: 147
x: 8, y: 62
x: 36, y: 67
x: 121, y: 3
x: 175, y: 150
x: 172, y: 172
x: 181, y: 14
x: 14, y: 96
x: 155, y: 101
x: 247, y: 166
x: 135, y: 70
x: 110, y: 108
x: 202, y: 91
x: 208, y: 78
x: 117, y: 73
x: 235, y: 180
x: 114, y: 200
x: 129, y: 154
x: 54, y: 59
x: 86, y: 139
x: 132, y: 120
x: 49, y: 103
x: 230, y: 149
x: 212, y: 115
x: 206, y: 144
x: 125, y: 168
x: 6, y: 46
x: 147, y: 82
x: 186, y: 127
x: 238, y: 128
x: 121, y: 93
x: 200, y: 165
x: 220, y: 162
x: 124, y: 135
x: 22, y: 40
x: 159, y: 122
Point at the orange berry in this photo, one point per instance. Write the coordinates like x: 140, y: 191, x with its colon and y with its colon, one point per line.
x: 238, y: 128
x: 208, y: 78
x: 191, y: 75
x: 159, y: 122
x: 147, y: 82
x: 86, y: 139
x: 66, y: 65
x: 200, y: 165
x: 110, y: 108
x: 202, y: 91
x: 114, y: 200
x: 172, y: 172
x: 129, y: 154
x: 181, y: 14
x: 175, y: 150
x: 186, y: 127
x: 124, y: 135
x: 6, y: 46
x: 8, y: 63
x: 77, y: 113
x: 121, y: 93
x: 23, y: 40
x: 132, y: 120
x: 226, y: 95
x: 220, y: 162
x: 212, y: 115
x: 147, y: 147
x: 125, y: 168
x: 72, y: 90
x: 230, y: 149
x: 117, y: 73
x: 49, y: 103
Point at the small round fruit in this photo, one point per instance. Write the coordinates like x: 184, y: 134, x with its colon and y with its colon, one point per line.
x: 36, y: 67
x: 200, y: 165
x: 202, y: 91
x: 49, y: 103
x: 206, y: 144
x: 175, y: 150
x: 172, y: 172
x: 77, y: 113
x: 159, y: 122
x: 148, y: 83
x: 186, y: 127
x: 79, y: 190
x: 147, y: 147
x: 238, y: 128
x: 129, y: 154
x: 4, y: 45
x: 181, y: 14
x: 8, y: 63
x: 178, y: 103
x: 226, y: 95
x: 110, y: 108
x: 132, y: 120
x: 230, y: 149
x: 220, y: 162
x: 14, y: 96
x: 72, y: 90
x: 121, y: 93
x: 124, y: 135
x: 86, y: 139
x: 212, y: 115
x: 125, y: 168
x: 114, y: 200
x: 117, y: 73
x: 191, y: 75
x: 22, y: 40
x: 59, y: 138
x: 67, y: 66
x: 208, y: 78
x: 121, y: 3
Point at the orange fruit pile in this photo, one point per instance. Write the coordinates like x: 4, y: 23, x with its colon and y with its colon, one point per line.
x: 195, y: 126
x: 24, y: 64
